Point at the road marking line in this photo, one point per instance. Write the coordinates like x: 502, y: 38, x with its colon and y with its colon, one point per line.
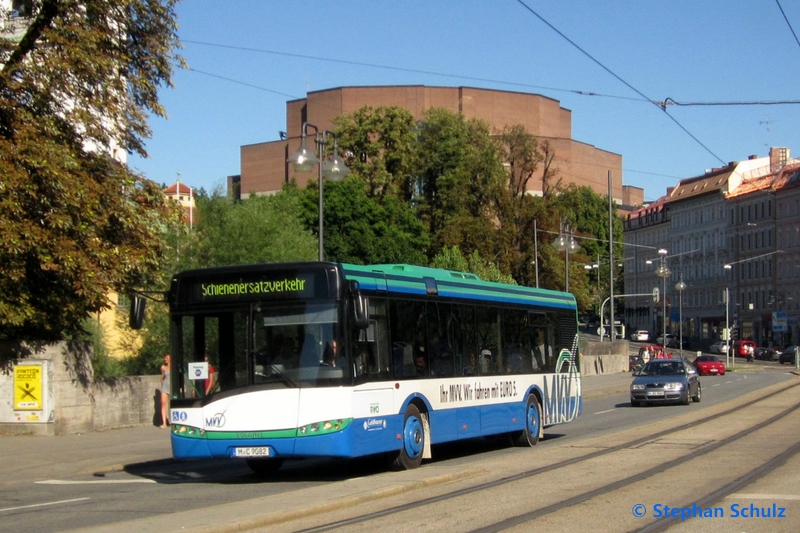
x: 42, y: 504
x: 606, y: 411
x: 93, y: 482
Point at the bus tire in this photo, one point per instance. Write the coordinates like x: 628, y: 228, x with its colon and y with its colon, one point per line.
x: 533, y: 423
x: 413, y: 441
x: 264, y: 467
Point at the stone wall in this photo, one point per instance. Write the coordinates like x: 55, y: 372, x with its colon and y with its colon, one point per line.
x: 75, y: 402
x: 604, y: 357
x: 125, y: 402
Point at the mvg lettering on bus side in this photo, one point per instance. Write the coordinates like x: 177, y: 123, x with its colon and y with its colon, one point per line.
x: 216, y: 421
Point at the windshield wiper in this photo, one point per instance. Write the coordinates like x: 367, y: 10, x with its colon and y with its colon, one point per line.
x: 283, y: 377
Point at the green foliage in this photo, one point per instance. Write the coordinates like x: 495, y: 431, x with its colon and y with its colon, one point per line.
x: 382, y: 143
x: 103, y: 365
x: 361, y: 229
x: 459, y: 178
x: 451, y: 258
x: 260, y: 229
x: 155, y: 342
x: 75, y: 224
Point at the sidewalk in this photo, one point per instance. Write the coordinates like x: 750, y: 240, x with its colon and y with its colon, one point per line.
x: 30, y: 458
x: 36, y: 458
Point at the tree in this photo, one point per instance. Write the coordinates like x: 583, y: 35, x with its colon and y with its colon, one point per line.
x: 520, y: 151
x: 75, y: 224
x: 379, y: 144
x: 459, y: 177
x: 362, y: 229
x: 451, y: 258
x: 260, y: 229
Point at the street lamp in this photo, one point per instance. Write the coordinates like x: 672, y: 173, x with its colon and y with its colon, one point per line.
x: 735, y: 279
x: 663, y: 272
x: 566, y: 243
x: 334, y: 168
x: 680, y: 286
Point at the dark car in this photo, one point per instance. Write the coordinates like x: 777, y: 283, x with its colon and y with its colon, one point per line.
x: 769, y: 354
x: 664, y: 381
x: 788, y: 355
x: 709, y: 365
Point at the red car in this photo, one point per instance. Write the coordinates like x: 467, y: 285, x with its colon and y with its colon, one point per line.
x: 708, y: 365
x: 744, y: 349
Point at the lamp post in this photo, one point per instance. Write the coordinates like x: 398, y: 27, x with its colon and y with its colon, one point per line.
x: 663, y: 273
x: 738, y: 299
x: 680, y: 286
x: 727, y: 297
x: 566, y: 243
x: 334, y: 168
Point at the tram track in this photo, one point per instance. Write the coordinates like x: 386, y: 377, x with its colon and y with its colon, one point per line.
x: 606, y: 488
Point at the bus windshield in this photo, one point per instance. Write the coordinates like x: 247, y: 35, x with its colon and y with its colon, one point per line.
x: 295, y: 345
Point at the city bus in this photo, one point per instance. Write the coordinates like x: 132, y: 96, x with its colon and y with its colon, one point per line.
x: 295, y: 360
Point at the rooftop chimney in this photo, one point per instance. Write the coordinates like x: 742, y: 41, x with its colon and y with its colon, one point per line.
x: 778, y: 157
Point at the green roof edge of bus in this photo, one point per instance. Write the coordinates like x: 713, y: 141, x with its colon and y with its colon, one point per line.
x: 452, y: 276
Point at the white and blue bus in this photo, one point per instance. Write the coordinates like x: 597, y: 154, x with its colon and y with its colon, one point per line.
x: 294, y: 360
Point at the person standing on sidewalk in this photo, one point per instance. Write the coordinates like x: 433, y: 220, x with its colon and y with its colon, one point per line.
x: 165, y: 385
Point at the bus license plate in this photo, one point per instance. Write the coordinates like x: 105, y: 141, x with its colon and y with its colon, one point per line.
x: 251, y: 451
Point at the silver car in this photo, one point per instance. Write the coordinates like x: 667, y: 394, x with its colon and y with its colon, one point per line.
x: 720, y: 347
x: 665, y: 381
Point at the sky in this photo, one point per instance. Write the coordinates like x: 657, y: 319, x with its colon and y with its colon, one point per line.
x: 605, y: 61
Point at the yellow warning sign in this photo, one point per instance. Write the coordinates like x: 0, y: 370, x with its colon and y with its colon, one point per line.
x: 28, y: 388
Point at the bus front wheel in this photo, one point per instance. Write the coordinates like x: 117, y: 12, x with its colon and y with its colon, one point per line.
x: 413, y: 440
x: 533, y: 423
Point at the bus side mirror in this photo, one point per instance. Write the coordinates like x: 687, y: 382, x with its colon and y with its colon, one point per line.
x: 360, y: 306
x: 136, y: 317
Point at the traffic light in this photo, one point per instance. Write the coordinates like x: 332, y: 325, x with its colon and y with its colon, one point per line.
x: 734, y: 334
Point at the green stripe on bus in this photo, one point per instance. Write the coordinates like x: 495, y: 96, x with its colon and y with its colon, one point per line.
x: 309, y: 430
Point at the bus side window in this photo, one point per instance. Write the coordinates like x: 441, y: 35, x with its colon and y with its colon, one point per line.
x: 407, y: 321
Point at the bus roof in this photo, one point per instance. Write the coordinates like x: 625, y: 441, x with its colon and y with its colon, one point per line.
x: 411, y: 279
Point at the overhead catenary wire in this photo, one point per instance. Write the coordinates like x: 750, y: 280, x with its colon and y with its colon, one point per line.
x: 787, y: 22
x: 612, y: 73
x: 410, y: 70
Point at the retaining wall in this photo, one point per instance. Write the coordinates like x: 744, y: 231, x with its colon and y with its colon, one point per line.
x: 604, y: 357
x: 71, y: 400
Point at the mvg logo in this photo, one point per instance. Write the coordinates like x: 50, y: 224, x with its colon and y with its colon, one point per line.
x: 216, y: 421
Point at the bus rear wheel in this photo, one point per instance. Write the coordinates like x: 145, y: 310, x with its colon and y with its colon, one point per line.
x: 264, y: 467
x: 533, y: 422
x: 413, y: 442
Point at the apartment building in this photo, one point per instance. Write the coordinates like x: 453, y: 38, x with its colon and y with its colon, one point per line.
x: 731, y: 235
x: 264, y: 169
